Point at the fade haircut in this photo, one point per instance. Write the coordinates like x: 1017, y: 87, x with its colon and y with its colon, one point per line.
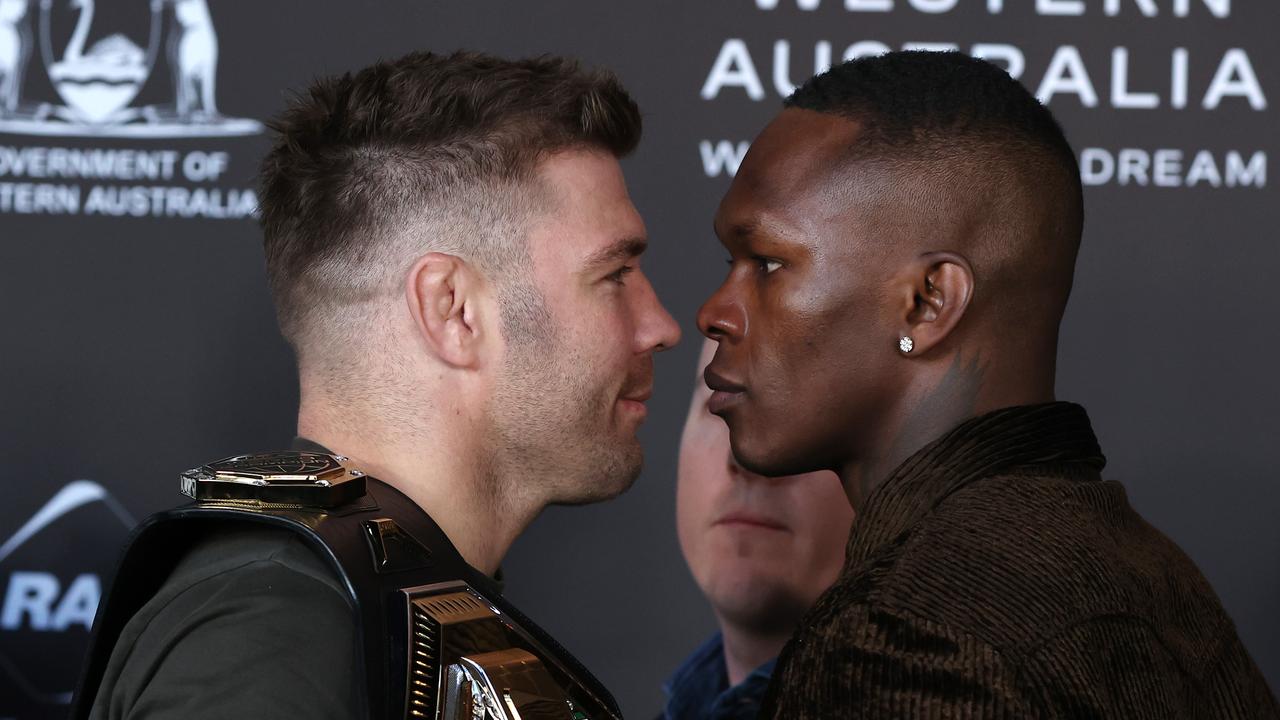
x: 425, y: 153
x: 961, y: 131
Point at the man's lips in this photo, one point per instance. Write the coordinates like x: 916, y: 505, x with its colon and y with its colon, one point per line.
x: 635, y: 400
x: 719, y: 382
x: 725, y: 392
x: 639, y: 395
x: 749, y: 519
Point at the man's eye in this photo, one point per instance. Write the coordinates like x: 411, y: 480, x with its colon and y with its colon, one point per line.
x: 767, y: 265
x: 619, y: 275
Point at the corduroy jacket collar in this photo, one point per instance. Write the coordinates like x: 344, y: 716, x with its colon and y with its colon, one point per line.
x: 1056, y: 436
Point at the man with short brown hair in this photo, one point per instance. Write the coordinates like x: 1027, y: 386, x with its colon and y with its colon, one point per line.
x: 455, y: 261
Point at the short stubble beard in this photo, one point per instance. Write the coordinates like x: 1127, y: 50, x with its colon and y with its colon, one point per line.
x: 554, y: 427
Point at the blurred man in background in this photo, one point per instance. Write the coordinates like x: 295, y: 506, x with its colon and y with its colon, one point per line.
x: 761, y: 549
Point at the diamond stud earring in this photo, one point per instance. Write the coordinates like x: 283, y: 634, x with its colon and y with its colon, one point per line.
x: 906, y: 344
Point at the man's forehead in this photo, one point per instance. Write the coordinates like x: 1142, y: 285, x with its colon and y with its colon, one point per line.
x: 591, y: 214
x: 801, y: 174
x: 799, y: 145
x: 795, y: 173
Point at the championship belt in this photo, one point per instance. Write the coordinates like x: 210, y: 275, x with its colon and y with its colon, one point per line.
x: 469, y: 661
x: 440, y: 642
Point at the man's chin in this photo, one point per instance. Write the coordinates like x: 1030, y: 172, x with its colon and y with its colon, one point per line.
x: 768, y: 457
x: 605, y: 484
x: 754, y: 456
x: 765, y: 606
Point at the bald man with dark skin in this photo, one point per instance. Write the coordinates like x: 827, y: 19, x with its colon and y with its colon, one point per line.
x: 796, y: 203
x: 902, y: 241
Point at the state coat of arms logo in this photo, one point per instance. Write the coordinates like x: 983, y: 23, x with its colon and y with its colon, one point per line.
x: 98, y: 55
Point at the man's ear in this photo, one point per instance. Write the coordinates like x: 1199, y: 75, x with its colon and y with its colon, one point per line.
x: 444, y: 295
x: 936, y: 292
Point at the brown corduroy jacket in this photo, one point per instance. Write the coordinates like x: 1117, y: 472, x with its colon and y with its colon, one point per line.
x: 996, y: 575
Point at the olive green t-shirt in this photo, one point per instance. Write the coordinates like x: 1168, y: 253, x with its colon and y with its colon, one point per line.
x: 251, y: 625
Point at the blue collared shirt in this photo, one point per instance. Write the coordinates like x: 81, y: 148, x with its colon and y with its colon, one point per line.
x: 699, y: 688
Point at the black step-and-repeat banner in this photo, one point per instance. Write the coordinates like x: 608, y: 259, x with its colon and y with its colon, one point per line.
x: 138, y: 338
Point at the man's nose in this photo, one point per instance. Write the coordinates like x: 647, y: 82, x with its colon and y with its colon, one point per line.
x: 721, y: 317
x: 657, y: 330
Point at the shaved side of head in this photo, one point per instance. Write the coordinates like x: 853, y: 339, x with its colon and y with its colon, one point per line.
x: 424, y: 153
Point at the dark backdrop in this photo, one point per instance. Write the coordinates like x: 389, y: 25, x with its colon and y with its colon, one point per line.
x: 139, y: 340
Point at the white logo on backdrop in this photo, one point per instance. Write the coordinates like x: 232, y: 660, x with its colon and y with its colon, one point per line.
x: 34, y: 599
x: 99, y: 83
x: 100, y: 57
x: 71, y: 496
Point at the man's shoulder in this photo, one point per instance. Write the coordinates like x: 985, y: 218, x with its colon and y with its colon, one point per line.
x: 238, y: 581
x: 1018, y: 559
x: 231, y: 551
x: 252, y: 617
x: 1028, y: 591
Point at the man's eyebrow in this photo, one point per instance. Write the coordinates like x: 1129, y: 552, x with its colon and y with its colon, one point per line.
x: 623, y: 249
x: 737, y: 230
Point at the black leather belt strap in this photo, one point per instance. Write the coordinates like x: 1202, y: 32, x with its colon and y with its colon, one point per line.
x: 373, y: 559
